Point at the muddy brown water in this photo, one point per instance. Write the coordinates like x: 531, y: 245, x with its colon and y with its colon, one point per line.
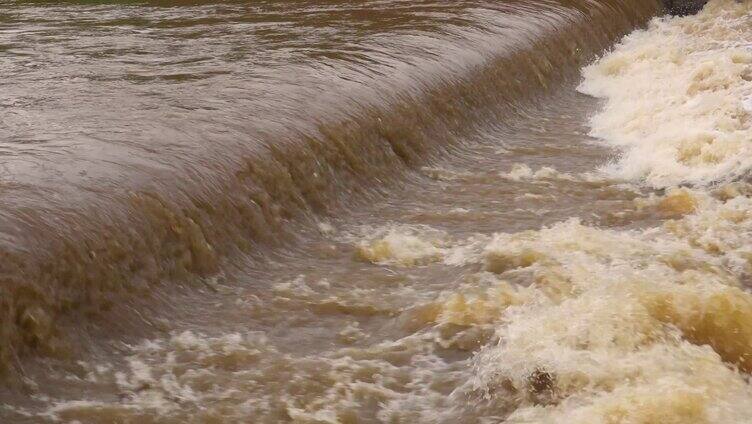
x: 223, y: 212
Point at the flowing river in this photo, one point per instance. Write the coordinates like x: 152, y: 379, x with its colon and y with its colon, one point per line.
x: 375, y: 211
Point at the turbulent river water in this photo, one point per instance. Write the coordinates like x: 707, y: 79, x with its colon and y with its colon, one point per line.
x: 375, y: 211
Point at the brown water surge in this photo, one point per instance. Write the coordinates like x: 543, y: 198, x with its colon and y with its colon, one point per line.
x: 143, y: 144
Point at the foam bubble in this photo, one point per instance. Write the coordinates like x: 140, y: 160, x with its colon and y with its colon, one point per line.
x: 675, y: 98
x: 241, y: 377
x: 521, y: 171
x: 676, y: 202
x: 624, y: 326
x: 402, y: 245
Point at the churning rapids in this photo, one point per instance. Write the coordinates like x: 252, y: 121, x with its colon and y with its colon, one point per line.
x: 375, y: 211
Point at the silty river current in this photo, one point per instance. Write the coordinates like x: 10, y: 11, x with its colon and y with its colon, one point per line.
x: 375, y: 211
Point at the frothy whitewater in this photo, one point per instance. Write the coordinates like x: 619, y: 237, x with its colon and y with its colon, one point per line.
x: 620, y: 296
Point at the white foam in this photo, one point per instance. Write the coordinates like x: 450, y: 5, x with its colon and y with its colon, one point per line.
x: 521, y: 172
x: 675, y: 97
x: 403, y: 245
